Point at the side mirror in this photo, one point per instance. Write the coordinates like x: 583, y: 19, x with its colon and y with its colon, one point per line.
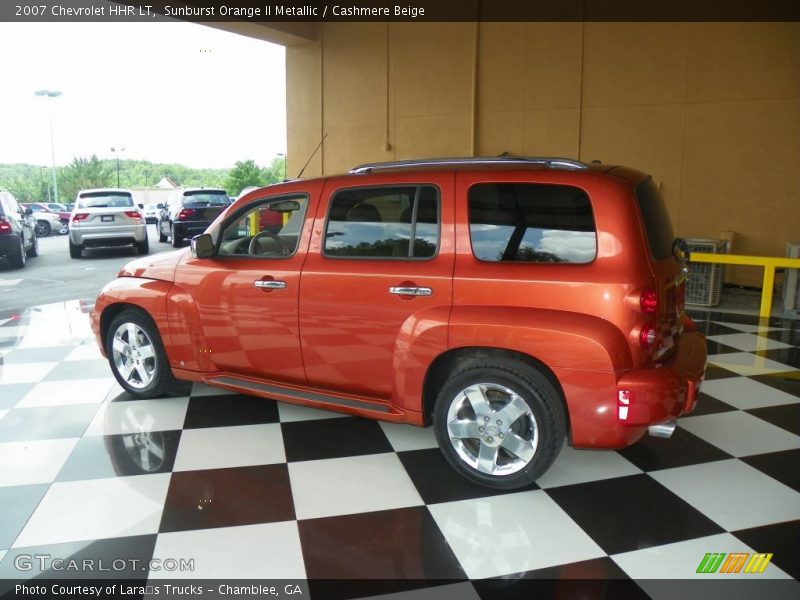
x: 159, y: 205
x: 202, y: 246
x: 28, y: 211
x: 141, y: 205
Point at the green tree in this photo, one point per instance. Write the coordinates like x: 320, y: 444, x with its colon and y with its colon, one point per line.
x: 276, y: 171
x: 84, y: 173
x: 245, y: 173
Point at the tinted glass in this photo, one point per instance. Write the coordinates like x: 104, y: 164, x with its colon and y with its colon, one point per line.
x: 390, y: 222
x: 531, y: 223
x: 206, y: 197
x: 105, y: 200
x: 656, y: 220
x: 265, y: 232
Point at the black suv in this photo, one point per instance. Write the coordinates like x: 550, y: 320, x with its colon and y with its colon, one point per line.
x: 190, y: 211
x: 17, y: 231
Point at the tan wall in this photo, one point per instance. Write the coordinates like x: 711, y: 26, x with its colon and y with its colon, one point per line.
x: 711, y: 110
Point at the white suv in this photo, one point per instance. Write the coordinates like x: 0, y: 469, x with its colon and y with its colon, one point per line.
x: 106, y: 217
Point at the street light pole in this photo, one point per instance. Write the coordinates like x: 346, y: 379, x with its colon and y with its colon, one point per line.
x: 117, y: 151
x: 50, y: 95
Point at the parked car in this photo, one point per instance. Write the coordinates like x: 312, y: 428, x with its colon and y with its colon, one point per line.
x: 513, y: 303
x: 106, y: 217
x: 18, y: 238
x: 47, y: 220
x: 151, y: 211
x: 190, y: 211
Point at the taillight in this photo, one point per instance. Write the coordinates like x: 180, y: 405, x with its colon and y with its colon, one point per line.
x: 133, y: 214
x: 186, y: 213
x: 648, y: 302
x: 5, y: 226
x: 79, y: 217
x: 647, y: 336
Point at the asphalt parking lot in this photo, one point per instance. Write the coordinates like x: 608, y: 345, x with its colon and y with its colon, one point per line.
x: 55, y: 277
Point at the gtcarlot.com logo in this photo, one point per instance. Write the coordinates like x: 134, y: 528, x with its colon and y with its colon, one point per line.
x: 735, y: 562
x: 46, y: 562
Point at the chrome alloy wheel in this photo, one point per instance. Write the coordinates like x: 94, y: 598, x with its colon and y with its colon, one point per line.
x: 134, y: 355
x: 492, y: 429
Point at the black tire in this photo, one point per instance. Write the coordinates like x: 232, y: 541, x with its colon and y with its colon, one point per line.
x: 151, y: 376
x: 177, y: 240
x: 17, y: 256
x: 34, y: 249
x: 75, y: 251
x: 542, y: 427
x: 43, y: 228
x: 143, y: 247
x: 161, y: 236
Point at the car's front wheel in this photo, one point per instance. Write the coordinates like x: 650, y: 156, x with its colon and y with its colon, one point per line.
x: 34, y: 249
x: 162, y: 237
x: 137, y: 356
x: 499, y: 423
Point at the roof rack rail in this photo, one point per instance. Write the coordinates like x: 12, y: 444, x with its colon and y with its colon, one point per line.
x: 548, y: 161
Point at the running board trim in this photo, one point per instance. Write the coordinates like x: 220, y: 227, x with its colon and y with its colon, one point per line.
x: 311, y: 396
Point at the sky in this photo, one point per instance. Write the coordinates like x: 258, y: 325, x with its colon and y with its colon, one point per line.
x: 169, y: 92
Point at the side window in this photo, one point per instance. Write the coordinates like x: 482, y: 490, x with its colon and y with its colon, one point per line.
x: 539, y: 223
x: 386, y: 222
x: 270, y: 229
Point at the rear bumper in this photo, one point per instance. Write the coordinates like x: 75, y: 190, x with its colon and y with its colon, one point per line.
x: 187, y: 229
x: 655, y: 395
x: 108, y: 235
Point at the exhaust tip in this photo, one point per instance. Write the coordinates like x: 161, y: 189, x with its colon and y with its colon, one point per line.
x: 663, y: 430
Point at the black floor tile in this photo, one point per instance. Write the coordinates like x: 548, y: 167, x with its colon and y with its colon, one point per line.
x: 436, y: 481
x: 227, y: 497
x: 115, y: 558
x: 786, y: 416
x: 785, y: 356
x: 18, y: 504
x: 713, y: 347
x: 95, y: 457
x: 787, y: 336
x: 782, y: 539
x: 787, y: 381
x: 11, y: 393
x: 783, y: 466
x: 710, y: 328
x: 631, y: 513
x: 682, y: 449
x: 391, y: 544
x: 333, y: 438
x: 708, y: 405
x: 715, y: 372
x: 46, y: 423
x: 229, y: 410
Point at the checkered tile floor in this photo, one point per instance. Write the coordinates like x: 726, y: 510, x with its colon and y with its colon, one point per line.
x: 254, y: 489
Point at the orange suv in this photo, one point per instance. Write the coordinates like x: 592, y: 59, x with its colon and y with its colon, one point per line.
x: 508, y: 302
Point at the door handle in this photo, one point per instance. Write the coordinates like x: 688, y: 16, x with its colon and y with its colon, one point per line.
x: 410, y: 291
x: 269, y: 284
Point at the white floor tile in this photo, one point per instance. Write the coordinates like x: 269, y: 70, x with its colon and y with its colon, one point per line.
x: 266, y: 551
x: 39, y: 461
x: 747, y: 342
x: 294, y: 412
x: 62, y: 393
x: 86, y: 351
x: 133, y: 416
x: 342, y: 486
x: 220, y: 447
x: 744, y: 393
x: 25, y: 373
x: 404, y: 437
x: 512, y: 533
x: 2, y: 553
x: 580, y: 466
x: 3, y: 413
x: 740, y: 434
x: 732, y: 493
x: 681, y: 559
x: 97, y: 509
x: 745, y: 363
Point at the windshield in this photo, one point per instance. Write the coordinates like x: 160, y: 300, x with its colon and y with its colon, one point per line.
x: 215, y: 198
x: 656, y: 219
x: 105, y: 200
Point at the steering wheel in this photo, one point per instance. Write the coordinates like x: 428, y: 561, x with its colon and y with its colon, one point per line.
x: 253, y: 246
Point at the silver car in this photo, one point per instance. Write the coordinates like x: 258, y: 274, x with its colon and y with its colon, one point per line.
x: 106, y: 217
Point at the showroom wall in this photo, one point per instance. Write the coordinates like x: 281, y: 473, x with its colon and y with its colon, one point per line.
x: 712, y: 110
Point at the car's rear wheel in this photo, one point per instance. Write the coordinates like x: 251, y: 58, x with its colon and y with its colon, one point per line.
x: 143, y: 247
x: 177, y: 240
x: 34, y: 249
x: 43, y: 228
x: 499, y: 423
x: 137, y: 356
x: 75, y: 251
x: 17, y: 255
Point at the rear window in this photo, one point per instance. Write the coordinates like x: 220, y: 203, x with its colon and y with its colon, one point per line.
x: 524, y: 222
x: 206, y: 197
x: 105, y: 200
x: 657, y: 224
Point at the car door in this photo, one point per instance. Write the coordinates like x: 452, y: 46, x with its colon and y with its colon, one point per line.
x: 246, y: 294
x: 367, y: 290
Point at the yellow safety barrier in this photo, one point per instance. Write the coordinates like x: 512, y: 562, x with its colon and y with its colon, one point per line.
x: 769, y: 263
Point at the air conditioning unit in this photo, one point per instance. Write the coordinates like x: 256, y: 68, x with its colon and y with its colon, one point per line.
x: 704, y: 284
x: 791, y: 285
